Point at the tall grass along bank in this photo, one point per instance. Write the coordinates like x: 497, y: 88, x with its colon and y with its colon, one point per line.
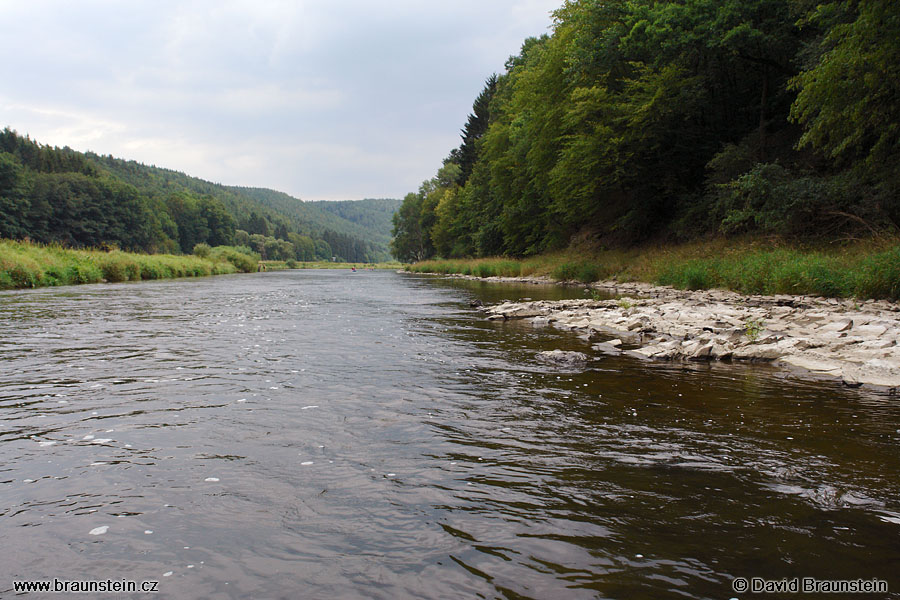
x: 866, y: 270
x: 27, y: 265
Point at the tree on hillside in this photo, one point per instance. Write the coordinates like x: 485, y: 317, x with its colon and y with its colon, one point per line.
x: 256, y: 223
x: 475, y: 127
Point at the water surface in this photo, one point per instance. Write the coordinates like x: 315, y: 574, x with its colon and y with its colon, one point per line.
x: 369, y: 435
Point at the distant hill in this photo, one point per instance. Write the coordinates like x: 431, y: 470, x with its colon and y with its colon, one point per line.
x: 368, y: 220
x: 58, y: 195
x: 375, y: 214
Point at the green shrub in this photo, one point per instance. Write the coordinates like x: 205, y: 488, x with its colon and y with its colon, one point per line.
x: 202, y: 250
x: 565, y: 272
x: 244, y: 259
x: 22, y: 276
x: 588, y: 273
x: 118, y: 266
x: 85, y: 272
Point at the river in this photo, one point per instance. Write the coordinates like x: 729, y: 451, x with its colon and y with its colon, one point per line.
x: 328, y: 434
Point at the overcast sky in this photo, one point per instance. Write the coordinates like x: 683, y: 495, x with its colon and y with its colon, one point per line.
x: 322, y: 99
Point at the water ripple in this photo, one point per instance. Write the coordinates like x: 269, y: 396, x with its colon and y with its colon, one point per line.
x: 372, y: 436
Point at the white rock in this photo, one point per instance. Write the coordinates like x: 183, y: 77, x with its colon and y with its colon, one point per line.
x: 841, y: 325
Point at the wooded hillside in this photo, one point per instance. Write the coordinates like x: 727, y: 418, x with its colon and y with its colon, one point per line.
x: 58, y: 195
x: 642, y: 120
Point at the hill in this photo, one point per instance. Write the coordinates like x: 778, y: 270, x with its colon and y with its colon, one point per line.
x: 368, y: 220
x: 58, y: 195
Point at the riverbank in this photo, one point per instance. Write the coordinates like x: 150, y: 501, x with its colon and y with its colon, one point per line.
x: 853, y: 341
x: 280, y: 265
x: 868, y: 269
x: 28, y: 265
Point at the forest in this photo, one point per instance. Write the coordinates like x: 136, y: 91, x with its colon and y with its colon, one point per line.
x: 666, y: 121
x: 84, y: 200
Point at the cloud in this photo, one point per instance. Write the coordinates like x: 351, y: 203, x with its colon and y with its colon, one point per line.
x: 320, y: 99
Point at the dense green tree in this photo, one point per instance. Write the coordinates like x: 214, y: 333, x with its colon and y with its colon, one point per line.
x: 241, y: 238
x: 277, y: 249
x: 304, y: 247
x: 219, y: 222
x: 409, y: 241
x: 475, y: 127
x: 849, y: 100
x: 323, y: 250
x: 256, y: 223
x: 258, y: 245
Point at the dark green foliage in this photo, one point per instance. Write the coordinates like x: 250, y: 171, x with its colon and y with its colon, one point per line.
x: 645, y: 119
x: 476, y: 126
x: 45, y: 159
x: 201, y: 220
x: 848, y: 98
x: 14, y: 202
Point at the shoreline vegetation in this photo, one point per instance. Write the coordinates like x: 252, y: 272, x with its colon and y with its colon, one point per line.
x: 864, y: 270
x: 29, y: 265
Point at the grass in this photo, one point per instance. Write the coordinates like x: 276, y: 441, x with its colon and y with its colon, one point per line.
x: 863, y: 270
x: 26, y: 265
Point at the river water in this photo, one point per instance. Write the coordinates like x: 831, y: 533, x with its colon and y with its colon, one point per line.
x: 327, y: 434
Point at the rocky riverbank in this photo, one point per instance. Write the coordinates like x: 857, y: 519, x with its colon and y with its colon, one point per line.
x: 851, y: 340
